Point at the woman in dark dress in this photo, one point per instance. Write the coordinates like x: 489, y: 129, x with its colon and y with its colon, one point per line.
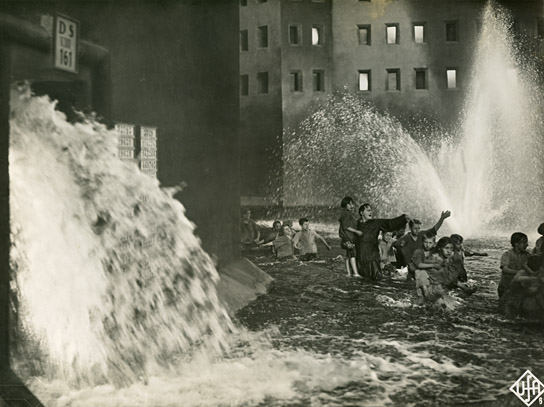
x: 367, y: 250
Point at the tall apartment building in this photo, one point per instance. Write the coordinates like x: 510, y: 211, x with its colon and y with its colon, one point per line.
x: 285, y: 65
x: 407, y: 57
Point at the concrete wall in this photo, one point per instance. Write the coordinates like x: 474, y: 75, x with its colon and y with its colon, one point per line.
x: 260, y: 114
x: 174, y: 65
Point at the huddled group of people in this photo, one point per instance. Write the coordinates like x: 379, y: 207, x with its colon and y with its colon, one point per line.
x: 283, y: 239
x: 379, y: 247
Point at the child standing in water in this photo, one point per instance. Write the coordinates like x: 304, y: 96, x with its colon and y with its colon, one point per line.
x: 368, y: 252
x: 304, y: 241
x: 513, y: 261
x: 348, y: 234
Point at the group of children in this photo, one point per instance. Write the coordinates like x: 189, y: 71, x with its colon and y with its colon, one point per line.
x: 377, y: 247
x: 285, y: 242
x: 380, y: 246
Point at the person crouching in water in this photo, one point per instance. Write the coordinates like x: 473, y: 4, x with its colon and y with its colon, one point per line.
x: 367, y: 249
x: 442, y: 272
x: 304, y: 241
x: 525, y: 295
x: 513, y: 261
x: 422, y: 263
x: 348, y: 234
x: 459, y: 254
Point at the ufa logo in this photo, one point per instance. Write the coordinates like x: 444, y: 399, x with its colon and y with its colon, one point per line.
x: 528, y: 388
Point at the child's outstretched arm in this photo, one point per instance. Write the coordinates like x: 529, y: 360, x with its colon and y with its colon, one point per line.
x: 323, y: 240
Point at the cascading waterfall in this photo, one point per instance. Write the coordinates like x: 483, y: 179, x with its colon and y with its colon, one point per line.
x: 110, y: 280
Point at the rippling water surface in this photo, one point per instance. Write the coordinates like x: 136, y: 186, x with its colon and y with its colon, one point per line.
x: 414, y: 355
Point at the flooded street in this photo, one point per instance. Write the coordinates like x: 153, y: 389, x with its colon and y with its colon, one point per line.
x: 416, y: 356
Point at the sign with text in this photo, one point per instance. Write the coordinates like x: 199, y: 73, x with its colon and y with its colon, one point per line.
x: 125, y: 142
x: 66, y: 38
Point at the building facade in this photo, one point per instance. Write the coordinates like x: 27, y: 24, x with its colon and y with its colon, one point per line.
x: 285, y: 66
x: 410, y: 58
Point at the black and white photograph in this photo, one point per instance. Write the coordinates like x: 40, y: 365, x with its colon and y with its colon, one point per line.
x: 271, y: 203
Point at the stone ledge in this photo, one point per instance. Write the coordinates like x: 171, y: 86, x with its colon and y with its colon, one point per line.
x: 241, y: 282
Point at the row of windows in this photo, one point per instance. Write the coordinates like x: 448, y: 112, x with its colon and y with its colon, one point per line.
x: 295, y: 36
x: 419, y: 33
x: 296, y: 82
x: 393, y: 81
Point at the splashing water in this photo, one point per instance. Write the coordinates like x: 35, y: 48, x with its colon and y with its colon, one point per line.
x: 488, y: 175
x: 106, y: 319
x: 111, y: 281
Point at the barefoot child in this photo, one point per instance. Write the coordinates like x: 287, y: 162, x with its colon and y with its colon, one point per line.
x: 304, y: 241
x: 348, y: 234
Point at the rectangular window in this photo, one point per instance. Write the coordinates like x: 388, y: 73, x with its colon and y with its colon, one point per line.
x: 419, y: 33
x: 317, y: 35
x: 365, y: 81
x: 262, y: 35
x: 452, y: 34
x: 294, y: 35
x: 363, y: 32
x: 296, y: 81
x: 243, y: 3
x: 392, y: 33
x: 261, y: 1
x: 540, y: 28
x: 421, y: 78
x: 244, y: 42
x: 244, y: 85
x: 393, y: 79
x: 451, y: 76
x: 319, y: 80
x: 262, y: 82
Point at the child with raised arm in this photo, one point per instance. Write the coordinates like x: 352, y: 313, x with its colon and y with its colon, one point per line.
x: 304, y: 241
x: 513, y: 261
x: 414, y: 240
x: 348, y: 234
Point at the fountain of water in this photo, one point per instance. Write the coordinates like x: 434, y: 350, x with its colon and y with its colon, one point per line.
x: 110, y: 280
x: 488, y: 174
